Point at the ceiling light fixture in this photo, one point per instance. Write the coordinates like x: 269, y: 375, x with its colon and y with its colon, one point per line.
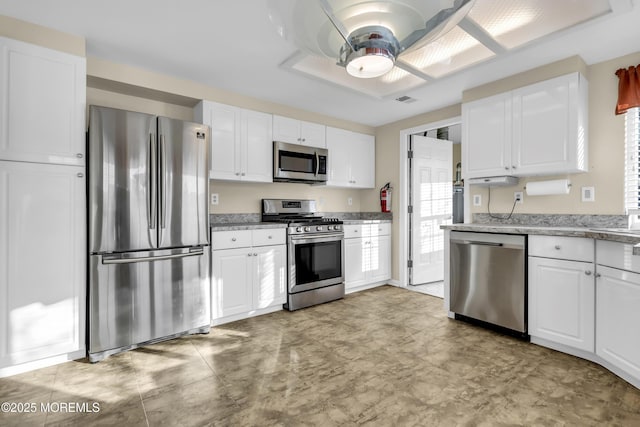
x: 371, y: 51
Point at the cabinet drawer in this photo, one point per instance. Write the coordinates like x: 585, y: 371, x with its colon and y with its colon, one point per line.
x: 617, y: 255
x: 380, y: 229
x: 353, y: 231
x: 571, y: 248
x: 230, y: 239
x: 270, y: 236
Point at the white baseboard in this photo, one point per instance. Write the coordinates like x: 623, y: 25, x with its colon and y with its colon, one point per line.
x: 42, y: 363
x: 587, y: 355
x: 365, y: 287
x: 240, y: 316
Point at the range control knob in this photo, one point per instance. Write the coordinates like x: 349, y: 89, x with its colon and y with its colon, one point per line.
x: 298, y: 229
x: 307, y: 229
x: 318, y: 228
x: 329, y: 227
x: 337, y: 227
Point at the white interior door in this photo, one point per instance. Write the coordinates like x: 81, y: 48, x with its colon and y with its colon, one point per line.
x: 431, y: 197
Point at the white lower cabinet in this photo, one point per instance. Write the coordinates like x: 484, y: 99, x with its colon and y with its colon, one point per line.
x: 367, y: 254
x: 618, y: 307
x: 248, y: 273
x: 561, y: 301
x: 618, y: 314
x: 42, y: 264
x: 562, y: 290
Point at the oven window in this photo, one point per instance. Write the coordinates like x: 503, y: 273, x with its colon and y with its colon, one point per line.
x: 296, y: 162
x: 318, y: 261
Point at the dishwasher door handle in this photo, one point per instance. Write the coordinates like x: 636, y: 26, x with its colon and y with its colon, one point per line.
x: 473, y: 242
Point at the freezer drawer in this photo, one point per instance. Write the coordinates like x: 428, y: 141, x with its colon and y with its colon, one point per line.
x: 145, y: 296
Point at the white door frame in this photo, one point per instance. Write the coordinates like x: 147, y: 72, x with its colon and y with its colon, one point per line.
x: 403, y: 237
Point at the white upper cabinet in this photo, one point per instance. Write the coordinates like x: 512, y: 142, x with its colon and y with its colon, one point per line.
x: 486, y: 129
x: 42, y: 104
x: 295, y: 131
x: 241, y: 142
x: 540, y: 129
x: 550, y: 126
x: 351, y: 160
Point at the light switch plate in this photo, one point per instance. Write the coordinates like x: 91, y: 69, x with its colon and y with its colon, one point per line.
x: 588, y: 194
x: 477, y: 200
x: 350, y: 201
x: 214, y: 198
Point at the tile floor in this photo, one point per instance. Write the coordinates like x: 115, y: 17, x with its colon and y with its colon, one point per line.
x: 381, y: 357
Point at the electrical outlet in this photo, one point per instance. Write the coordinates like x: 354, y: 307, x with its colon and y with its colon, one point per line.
x: 350, y: 201
x: 214, y: 198
x: 518, y: 197
x: 477, y: 200
x: 588, y: 194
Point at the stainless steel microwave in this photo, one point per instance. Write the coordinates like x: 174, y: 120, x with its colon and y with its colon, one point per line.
x: 299, y: 163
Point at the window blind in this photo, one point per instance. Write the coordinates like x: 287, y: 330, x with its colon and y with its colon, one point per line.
x: 632, y: 159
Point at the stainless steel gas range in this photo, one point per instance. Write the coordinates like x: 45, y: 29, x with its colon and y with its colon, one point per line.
x: 315, y: 252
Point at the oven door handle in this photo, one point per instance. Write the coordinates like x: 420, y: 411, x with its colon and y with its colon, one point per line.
x: 317, y: 238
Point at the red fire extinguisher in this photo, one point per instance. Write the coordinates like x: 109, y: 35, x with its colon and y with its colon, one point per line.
x: 385, y: 198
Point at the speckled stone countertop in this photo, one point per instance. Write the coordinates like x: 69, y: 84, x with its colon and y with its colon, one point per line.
x: 364, y: 221
x: 239, y: 221
x: 233, y: 226
x: 613, y: 234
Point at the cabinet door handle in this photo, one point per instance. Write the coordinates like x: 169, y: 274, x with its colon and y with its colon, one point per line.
x: 513, y: 167
x: 506, y: 168
x: 598, y: 275
x: 233, y: 239
x: 80, y: 175
x: 269, y: 237
x: 242, y: 174
x: 255, y: 254
x: 588, y: 273
x: 557, y: 247
x: 248, y: 254
x: 79, y: 155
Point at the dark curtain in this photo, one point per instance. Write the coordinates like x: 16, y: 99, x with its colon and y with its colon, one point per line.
x: 628, y: 89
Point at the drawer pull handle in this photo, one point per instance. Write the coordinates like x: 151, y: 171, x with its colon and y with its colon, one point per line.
x: 557, y: 247
x: 588, y: 273
x: 598, y: 275
x: 233, y: 239
x: 270, y: 237
x: 255, y: 254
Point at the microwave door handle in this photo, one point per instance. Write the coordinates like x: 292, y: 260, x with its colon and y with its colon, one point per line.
x: 317, y: 163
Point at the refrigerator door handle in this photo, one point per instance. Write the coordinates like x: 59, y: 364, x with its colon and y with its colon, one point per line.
x: 163, y: 184
x: 192, y: 252
x: 152, y: 178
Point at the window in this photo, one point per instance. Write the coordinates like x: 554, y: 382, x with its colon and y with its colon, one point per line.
x: 632, y: 159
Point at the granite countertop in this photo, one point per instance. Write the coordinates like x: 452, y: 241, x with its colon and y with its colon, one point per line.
x: 602, y: 233
x: 364, y: 221
x: 233, y: 226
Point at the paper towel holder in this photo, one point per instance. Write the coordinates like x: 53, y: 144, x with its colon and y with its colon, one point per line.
x: 548, y: 188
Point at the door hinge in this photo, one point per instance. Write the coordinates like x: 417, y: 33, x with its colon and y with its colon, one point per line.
x: 410, y: 263
x: 410, y: 209
x: 410, y: 154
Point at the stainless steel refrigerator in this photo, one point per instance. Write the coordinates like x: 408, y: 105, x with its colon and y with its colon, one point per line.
x: 148, y: 230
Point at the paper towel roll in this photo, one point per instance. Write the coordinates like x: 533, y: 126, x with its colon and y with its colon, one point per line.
x: 544, y: 188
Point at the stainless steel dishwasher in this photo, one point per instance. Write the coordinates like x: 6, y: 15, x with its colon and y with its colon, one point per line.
x: 488, y: 278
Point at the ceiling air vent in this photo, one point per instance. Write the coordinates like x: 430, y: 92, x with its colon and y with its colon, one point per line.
x: 406, y: 99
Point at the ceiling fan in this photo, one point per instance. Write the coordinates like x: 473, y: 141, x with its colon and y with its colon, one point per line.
x: 366, y: 37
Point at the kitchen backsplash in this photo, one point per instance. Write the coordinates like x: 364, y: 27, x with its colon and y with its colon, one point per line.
x: 604, y: 221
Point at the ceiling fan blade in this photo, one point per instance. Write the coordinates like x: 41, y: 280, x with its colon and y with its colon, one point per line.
x: 326, y: 7
x: 439, y: 24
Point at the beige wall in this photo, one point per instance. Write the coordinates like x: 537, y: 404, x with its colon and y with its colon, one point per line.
x: 35, y: 34
x: 606, y: 154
